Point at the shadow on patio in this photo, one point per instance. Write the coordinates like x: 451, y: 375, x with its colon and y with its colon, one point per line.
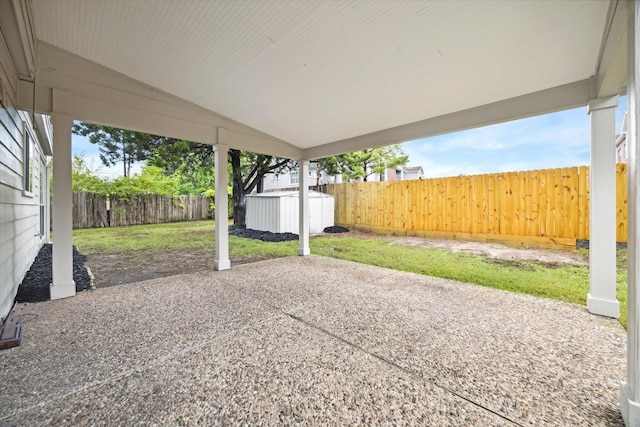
x: 311, y: 340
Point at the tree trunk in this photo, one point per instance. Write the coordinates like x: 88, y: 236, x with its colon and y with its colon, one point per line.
x: 239, y: 199
x: 124, y: 161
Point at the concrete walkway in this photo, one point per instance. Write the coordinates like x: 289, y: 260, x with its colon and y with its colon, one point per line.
x: 312, y: 341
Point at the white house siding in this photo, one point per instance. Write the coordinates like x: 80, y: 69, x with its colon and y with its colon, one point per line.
x: 20, y: 234
x: 289, y: 179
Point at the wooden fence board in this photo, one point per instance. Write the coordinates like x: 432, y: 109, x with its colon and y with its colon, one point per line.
x: 583, y: 219
x: 543, y: 202
x: 532, y: 211
x: 550, y: 204
x: 621, y: 202
x: 90, y: 210
x: 557, y: 203
x: 490, y: 195
x: 520, y: 199
x: 574, y: 221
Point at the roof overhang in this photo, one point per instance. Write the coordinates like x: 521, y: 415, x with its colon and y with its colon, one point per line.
x: 311, y: 79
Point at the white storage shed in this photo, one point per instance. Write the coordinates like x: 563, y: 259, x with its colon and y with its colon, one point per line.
x: 277, y: 211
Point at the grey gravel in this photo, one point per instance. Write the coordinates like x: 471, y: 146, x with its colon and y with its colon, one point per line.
x: 311, y: 341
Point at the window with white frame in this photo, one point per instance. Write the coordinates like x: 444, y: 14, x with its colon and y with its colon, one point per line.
x: 294, y: 178
x: 29, y: 161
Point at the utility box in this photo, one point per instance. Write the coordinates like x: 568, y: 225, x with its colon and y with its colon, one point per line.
x: 278, y: 211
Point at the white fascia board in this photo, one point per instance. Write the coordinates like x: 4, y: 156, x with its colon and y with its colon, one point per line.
x: 45, y: 135
x: 141, y: 120
x: 559, y: 98
x: 246, y: 142
x: 103, y: 96
x: 17, y: 28
x: 611, y: 70
x: 27, y: 36
x: 43, y: 100
x: 101, y: 111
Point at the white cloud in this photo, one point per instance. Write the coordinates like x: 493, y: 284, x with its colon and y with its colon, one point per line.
x: 566, y: 126
x: 440, y: 169
x: 554, y: 140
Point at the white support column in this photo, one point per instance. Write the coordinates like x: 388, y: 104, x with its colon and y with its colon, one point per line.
x: 47, y: 205
x: 63, y: 285
x: 303, y: 223
x: 602, y: 240
x: 221, y: 261
x: 630, y: 390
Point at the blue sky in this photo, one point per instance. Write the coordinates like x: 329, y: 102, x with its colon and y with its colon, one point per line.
x: 548, y: 141
x: 541, y: 142
x: 91, y: 153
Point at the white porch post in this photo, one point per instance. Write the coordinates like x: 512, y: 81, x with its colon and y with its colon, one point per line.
x: 602, y: 240
x: 63, y: 285
x: 47, y: 205
x: 221, y: 261
x: 630, y: 390
x: 303, y: 223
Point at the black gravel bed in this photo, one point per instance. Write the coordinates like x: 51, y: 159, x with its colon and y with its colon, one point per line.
x: 35, y: 286
x: 265, y: 236
x: 336, y: 229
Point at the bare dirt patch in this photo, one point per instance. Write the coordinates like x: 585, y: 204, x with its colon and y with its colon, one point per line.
x: 497, y: 251
x: 526, y: 264
x: 113, y: 269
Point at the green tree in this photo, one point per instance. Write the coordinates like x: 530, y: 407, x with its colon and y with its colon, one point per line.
x: 195, y: 162
x: 83, y: 178
x: 362, y: 164
x: 120, y: 145
x: 191, y: 163
x: 151, y: 180
x: 247, y: 171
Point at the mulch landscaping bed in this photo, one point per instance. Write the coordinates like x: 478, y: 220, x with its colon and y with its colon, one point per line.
x: 267, y: 236
x: 35, y: 286
x: 336, y: 229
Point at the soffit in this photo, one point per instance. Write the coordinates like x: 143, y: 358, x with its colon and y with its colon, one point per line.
x: 315, y: 72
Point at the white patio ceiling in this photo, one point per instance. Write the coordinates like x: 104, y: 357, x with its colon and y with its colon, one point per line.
x: 328, y: 77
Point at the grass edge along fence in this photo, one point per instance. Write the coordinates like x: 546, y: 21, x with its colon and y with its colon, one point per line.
x: 93, y: 210
x: 537, y: 208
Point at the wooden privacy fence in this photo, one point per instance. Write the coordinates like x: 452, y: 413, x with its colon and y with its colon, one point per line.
x: 91, y: 210
x: 534, y: 208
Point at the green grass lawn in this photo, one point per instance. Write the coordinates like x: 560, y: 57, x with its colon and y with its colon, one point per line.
x: 565, y: 283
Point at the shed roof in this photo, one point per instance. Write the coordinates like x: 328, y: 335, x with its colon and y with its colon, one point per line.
x: 296, y: 193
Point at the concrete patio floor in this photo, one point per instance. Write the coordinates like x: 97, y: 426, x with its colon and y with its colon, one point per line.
x: 314, y: 341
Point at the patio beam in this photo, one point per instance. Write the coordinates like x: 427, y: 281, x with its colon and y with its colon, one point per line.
x: 571, y: 95
x: 105, y: 97
x: 303, y: 223
x: 221, y: 261
x: 602, y: 241
x: 612, y: 64
x: 63, y: 285
x: 630, y: 390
